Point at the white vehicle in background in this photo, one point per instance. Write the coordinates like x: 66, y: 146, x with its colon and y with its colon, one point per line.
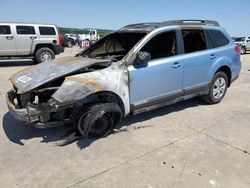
x: 244, y: 43
x: 40, y: 42
x: 69, y: 35
x: 89, y: 34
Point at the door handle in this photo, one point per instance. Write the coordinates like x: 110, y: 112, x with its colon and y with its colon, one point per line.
x: 176, y: 65
x: 9, y: 37
x: 212, y: 56
x: 32, y: 38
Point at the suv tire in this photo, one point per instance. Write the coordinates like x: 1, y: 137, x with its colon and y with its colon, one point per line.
x: 98, y: 119
x: 242, y: 50
x: 218, y: 88
x: 44, y: 54
x: 69, y: 44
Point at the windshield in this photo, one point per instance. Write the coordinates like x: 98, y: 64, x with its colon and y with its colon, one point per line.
x: 86, y: 31
x: 114, y: 46
x: 239, y: 39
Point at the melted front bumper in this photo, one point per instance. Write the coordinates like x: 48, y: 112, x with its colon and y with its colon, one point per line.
x: 29, y: 114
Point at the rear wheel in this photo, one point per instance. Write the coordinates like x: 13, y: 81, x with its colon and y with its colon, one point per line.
x: 242, y: 50
x: 218, y: 88
x: 98, y: 119
x: 44, y: 54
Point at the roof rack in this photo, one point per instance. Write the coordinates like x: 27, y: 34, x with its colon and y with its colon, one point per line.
x: 190, y: 22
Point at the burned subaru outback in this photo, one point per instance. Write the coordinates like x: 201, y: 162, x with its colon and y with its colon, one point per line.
x: 135, y: 69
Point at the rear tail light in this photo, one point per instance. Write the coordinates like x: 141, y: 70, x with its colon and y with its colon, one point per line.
x: 60, y: 39
x: 237, y: 48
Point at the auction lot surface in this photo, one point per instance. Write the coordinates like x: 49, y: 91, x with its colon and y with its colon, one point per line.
x: 189, y: 144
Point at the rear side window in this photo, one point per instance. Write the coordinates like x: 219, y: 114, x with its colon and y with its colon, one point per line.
x: 25, y: 30
x: 219, y: 38
x: 4, y: 30
x: 194, y: 40
x: 47, y: 31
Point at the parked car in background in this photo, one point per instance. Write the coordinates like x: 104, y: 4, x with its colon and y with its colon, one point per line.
x: 68, y: 42
x: 136, y: 69
x: 38, y: 41
x: 72, y: 36
x: 244, y: 43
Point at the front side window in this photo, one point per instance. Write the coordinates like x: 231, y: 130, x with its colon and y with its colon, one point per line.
x: 194, y: 40
x: 218, y: 38
x: 5, y: 30
x: 161, y: 46
x: 25, y: 30
x: 47, y: 31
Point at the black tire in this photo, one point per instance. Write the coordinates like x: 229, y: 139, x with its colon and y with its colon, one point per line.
x: 69, y: 44
x: 98, y: 119
x: 242, y: 50
x: 216, y: 93
x: 44, y: 52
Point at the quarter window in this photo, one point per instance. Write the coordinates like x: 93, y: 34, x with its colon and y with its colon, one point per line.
x: 25, y: 30
x: 218, y: 38
x: 162, y: 45
x: 5, y: 30
x: 194, y: 40
x: 47, y: 31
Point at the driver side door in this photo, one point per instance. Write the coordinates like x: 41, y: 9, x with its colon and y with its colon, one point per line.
x: 159, y: 79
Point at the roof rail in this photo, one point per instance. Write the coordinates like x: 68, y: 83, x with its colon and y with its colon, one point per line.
x: 190, y: 22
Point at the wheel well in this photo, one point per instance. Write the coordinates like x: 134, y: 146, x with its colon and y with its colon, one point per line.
x: 101, y: 97
x: 38, y: 46
x: 227, y: 71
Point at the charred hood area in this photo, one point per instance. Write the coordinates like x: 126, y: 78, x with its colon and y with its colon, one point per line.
x: 29, y: 91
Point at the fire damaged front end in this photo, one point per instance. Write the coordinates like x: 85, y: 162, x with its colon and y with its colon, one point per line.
x: 38, y: 107
x: 49, y: 94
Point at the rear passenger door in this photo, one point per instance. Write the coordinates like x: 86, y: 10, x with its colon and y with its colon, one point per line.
x: 197, y: 60
x: 25, y: 36
x: 7, y: 40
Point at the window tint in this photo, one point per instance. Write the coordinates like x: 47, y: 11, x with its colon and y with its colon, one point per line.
x: 218, y: 38
x: 162, y: 45
x: 25, y: 30
x: 5, y: 30
x: 47, y: 31
x: 194, y: 40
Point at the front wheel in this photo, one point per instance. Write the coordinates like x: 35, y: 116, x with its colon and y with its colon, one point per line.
x: 69, y: 44
x: 218, y: 88
x: 98, y: 119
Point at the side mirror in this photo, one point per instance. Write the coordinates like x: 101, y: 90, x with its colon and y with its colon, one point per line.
x: 142, y: 57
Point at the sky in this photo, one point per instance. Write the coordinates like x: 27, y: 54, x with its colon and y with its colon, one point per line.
x: 233, y: 15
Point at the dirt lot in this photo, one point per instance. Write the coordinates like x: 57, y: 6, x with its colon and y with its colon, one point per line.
x: 189, y: 144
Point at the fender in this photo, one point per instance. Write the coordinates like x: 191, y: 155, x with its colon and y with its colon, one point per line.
x: 112, y: 79
x: 222, y: 61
